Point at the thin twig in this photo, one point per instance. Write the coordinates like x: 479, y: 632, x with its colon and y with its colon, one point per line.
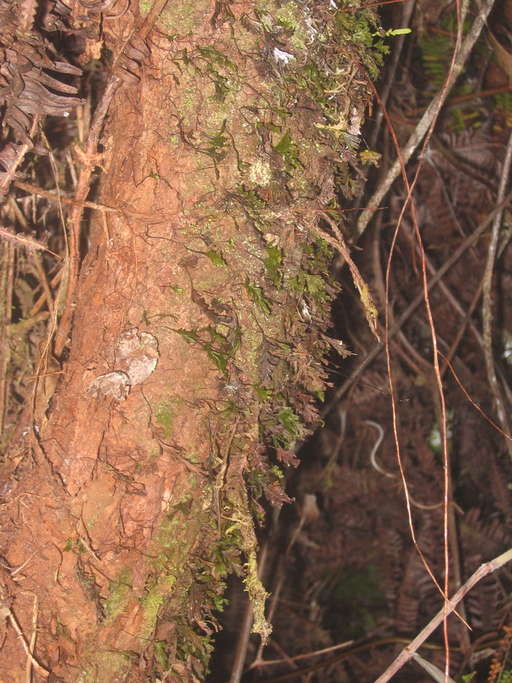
x: 350, y: 646
x: 350, y: 652
x: 407, y: 11
x: 428, y: 117
x: 7, y: 611
x: 6, y: 294
x: 32, y: 644
x: 9, y: 174
x: 23, y: 240
x: 43, y: 280
x: 475, y: 405
x: 75, y: 215
x: 448, y: 608
x: 466, y: 244
x: 370, y: 310
x: 52, y: 197
x: 487, y: 300
x: 467, y: 321
x: 242, y: 644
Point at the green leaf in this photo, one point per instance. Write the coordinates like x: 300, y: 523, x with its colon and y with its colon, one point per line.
x: 161, y: 654
x: 262, y: 393
x: 273, y: 263
x: 289, y: 420
x: 258, y: 297
x: 219, y: 358
x: 216, y: 336
x: 398, y: 31
x: 320, y: 395
x: 188, y: 335
x: 285, y: 144
x: 216, y: 257
x: 215, y: 57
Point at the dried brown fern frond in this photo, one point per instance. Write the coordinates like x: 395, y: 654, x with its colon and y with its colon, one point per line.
x: 499, y: 659
x: 26, y: 86
x: 500, y: 488
x: 133, y: 57
x: 393, y: 545
x: 34, y: 81
x: 408, y: 602
x: 486, y: 603
x: 417, y: 590
x: 488, y: 537
x: 8, y: 157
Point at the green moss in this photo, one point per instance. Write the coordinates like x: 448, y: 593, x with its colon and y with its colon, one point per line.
x: 120, y: 591
x: 165, y: 414
x: 290, y: 20
x: 183, y: 19
x: 111, y: 663
x: 155, y: 598
x: 262, y: 126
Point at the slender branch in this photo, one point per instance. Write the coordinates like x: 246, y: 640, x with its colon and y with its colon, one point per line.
x: 23, y: 240
x: 407, y: 11
x: 52, y: 197
x: 22, y: 149
x: 75, y: 217
x: 487, y: 300
x: 428, y: 117
x: 9, y: 614
x: 32, y: 644
x: 466, y: 244
x: 448, y: 608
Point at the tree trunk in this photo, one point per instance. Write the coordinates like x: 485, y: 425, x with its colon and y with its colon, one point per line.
x: 194, y: 365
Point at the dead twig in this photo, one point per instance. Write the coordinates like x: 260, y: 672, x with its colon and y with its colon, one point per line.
x: 448, y: 608
x: 7, y: 613
x: 75, y: 216
x: 23, y: 240
x: 6, y: 293
x: 52, y: 197
x: 466, y: 244
x: 22, y: 149
x: 370, y: 310
x: 244, y: 634
x: 324, y: 664
x: 428, y: 117
x: 487, y: 300
x: 43, y: 281
x: 32, y: 644
x: 350, y: 646
x: 407, y: 10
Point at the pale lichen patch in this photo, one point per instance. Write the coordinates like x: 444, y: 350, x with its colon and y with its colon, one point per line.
x: 260, y: 173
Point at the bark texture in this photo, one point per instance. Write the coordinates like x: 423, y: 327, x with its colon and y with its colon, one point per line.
x: 135, y: 497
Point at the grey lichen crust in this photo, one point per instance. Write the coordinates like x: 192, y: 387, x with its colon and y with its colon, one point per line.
x: 136, y: 357
x: 114, y: 385
x: 137, y: 354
